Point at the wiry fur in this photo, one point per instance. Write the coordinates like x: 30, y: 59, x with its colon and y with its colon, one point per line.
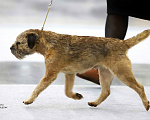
x: 73, y: 54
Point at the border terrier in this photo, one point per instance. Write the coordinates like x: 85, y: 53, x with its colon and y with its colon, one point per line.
x: 73, y: 54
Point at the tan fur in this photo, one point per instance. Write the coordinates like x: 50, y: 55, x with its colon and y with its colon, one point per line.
x: 72, y: 54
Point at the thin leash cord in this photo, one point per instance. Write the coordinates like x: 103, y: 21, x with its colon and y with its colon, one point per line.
x: 47, y: 14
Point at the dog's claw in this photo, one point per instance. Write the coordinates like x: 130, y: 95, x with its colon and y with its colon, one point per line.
x: 27, y: 103
x: 147, y: 108
x: 79, y: 96
x: 92, y: 104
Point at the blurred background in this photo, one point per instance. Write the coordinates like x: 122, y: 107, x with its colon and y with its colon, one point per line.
x: 76, y: 17
x: 80, y: 17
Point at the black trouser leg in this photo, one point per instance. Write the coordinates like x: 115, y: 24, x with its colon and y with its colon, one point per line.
x: 116, y: 26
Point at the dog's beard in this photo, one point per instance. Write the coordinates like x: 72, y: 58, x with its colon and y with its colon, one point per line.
x: 20, y: 54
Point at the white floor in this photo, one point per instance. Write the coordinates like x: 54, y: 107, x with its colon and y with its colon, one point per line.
x: 52, y: 104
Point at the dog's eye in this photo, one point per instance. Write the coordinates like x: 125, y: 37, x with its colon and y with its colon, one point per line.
x: 18, y: 43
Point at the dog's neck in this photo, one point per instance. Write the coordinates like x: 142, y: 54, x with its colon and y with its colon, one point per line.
x: 41, y: 48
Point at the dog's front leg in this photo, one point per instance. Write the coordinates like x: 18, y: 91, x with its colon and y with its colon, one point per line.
x: 69, y: 82
x: 50, y: 75
x: 44, y: 83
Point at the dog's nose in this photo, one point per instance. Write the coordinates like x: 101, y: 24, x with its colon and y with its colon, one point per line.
x: 12, y: 47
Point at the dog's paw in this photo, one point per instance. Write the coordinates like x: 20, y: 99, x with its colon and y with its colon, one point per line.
x: 92, y: 104
x: 26, y: 102
x: 147, y: 106
x: 77, y: 96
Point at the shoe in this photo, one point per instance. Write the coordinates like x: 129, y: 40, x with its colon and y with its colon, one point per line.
x: 90, y: 75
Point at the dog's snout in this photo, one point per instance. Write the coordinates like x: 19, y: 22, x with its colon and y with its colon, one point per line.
x: 12, y: 48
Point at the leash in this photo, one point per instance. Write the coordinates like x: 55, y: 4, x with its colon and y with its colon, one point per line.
x: 47, y: 14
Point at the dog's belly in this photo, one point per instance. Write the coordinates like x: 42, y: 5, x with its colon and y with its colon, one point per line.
x: 82, y: 64
x: 77, y: 68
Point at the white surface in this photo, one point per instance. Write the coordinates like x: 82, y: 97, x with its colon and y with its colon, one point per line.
x: 52, y: 104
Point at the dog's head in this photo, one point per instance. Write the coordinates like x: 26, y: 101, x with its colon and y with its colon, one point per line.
x: 25, y: 44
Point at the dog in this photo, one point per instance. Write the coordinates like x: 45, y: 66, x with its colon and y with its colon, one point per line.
x: 73, y: 54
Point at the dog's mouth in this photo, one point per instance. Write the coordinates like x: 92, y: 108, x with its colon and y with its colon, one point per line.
x: 19, y: 54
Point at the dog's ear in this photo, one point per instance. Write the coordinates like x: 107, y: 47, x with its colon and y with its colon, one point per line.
x: 31, y: 39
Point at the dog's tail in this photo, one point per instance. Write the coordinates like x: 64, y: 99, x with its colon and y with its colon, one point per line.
x: 136, y: 39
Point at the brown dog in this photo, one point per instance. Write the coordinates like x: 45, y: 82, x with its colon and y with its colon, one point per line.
x: 72, y: 54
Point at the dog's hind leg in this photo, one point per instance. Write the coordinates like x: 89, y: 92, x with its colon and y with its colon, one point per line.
x: 122, y: 69
x: 69, y: 82
x: 106, y: 78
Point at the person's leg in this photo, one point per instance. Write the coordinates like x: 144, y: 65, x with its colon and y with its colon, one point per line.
x: 116, y: 27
